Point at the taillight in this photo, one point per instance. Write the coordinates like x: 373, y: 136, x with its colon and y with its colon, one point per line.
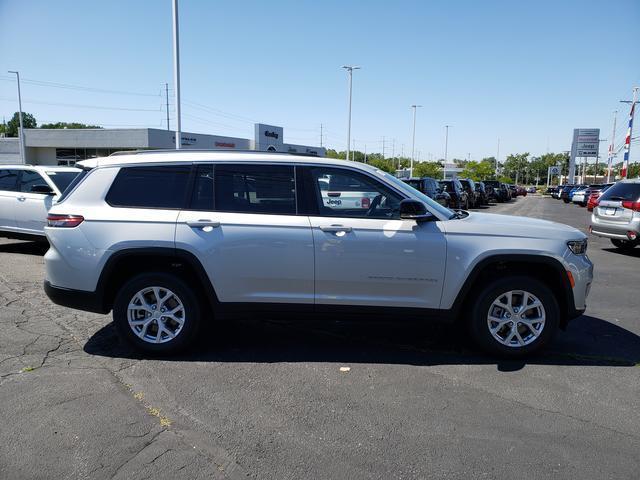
x: 635, y: 206
x: 64, y: 221
x: 366, y: 202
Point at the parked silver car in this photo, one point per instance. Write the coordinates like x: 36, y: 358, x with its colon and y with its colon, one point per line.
x: 617, y: 215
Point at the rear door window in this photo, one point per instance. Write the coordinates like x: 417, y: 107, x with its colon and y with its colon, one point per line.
x: 267, y: 189
x: 150, y: 187
x: 29, y: 179
x: 9, y: 180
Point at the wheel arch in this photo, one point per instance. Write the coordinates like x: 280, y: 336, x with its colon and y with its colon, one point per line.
x: 547, y: 270
x: 124, y: 264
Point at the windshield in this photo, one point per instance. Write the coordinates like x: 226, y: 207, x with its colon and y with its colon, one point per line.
x: 62, y: 179
x: 432, y: 205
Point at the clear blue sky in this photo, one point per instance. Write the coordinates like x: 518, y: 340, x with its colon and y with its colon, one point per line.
x: 527, y: 72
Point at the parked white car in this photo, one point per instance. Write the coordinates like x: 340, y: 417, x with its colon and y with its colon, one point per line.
x: 26, y: 195
x: 169, y: 240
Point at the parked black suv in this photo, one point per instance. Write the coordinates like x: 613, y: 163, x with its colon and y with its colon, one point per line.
x: 459, y: 197
x: 499, y: 191
x: 431, y: 188
x: 483, y: 192
x: 470, y: 187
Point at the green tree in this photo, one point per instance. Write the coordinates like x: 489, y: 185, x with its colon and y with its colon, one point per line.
x: 479, y: 170
x: 427, y: 169
x: 515, y: 166
x: 67, y: 125
x: 13, y: 125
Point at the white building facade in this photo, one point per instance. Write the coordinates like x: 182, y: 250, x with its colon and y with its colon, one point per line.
x: 66, y: 146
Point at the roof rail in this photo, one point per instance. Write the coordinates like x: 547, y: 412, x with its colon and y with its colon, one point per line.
x: 212, y: 150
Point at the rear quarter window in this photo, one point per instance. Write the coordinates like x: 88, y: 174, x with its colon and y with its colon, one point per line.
x: 162, y: 187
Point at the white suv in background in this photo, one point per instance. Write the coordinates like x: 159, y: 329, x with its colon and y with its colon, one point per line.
x: 26, y: 195
x: 169, y: 240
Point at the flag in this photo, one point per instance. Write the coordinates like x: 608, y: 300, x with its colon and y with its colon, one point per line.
x: 627, y: 143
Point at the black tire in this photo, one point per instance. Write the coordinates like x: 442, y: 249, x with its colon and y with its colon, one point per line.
x: 624, y: 245
x: 478, y: 323
x: 192, y: 313
x: 565, y: 200
x: 466, y: 207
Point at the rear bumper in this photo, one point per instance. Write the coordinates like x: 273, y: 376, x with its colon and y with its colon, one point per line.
x: 76, y: 299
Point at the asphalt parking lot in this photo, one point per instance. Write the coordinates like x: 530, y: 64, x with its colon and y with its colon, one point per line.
x: 333, y: 400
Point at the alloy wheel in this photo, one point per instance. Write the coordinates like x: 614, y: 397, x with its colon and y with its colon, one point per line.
x: 516, y: 318
x: 156, y: 315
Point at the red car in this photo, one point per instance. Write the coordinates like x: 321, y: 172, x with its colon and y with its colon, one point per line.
x: 594, y: 196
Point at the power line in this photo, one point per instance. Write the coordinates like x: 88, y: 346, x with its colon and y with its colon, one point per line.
x: 42, y: 83
x: 79, y: 105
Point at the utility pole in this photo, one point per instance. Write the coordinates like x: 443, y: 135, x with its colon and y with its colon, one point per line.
x: 413, y: 140
x: 383, y: 149
x: 612, y: 147
x: 497, y: 158
x: 22, y: 147
x: 349, y: 69
x: 393, y: 149
x: 320, y: 135
x: 627, y: 140
x: 176, y: 73
x: 365, y: 153
x: 166, y: 89
x: 446, y: 147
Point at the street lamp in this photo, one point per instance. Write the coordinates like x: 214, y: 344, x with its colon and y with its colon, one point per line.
x: 22, y: 149
x: 350, y: 69
x: 176, y: 72
x: 413, y: 140
x: 446, y: 146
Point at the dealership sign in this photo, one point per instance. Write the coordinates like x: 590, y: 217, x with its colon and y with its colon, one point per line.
x: 268, y: 137
x: 586, y: 142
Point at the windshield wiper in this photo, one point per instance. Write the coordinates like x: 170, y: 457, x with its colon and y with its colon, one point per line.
x: 616, y: 198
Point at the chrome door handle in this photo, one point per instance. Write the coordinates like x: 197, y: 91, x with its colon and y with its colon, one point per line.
x: 22, y: 199
x: 202, y: 223
x: 335, y: 228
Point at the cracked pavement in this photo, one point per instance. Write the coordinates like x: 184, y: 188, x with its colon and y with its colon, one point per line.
x: 267, y: 399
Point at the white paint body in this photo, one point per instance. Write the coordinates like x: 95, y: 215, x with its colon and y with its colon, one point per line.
x: 303, y: 259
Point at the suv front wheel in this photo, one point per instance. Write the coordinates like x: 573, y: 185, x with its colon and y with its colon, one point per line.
x: 157, y: 313
x: 514, y: 317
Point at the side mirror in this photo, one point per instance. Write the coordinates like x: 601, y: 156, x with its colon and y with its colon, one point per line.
x: 41, y: 188
x: 415, y: 210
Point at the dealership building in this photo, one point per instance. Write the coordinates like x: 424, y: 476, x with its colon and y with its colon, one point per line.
x: 66, y: 146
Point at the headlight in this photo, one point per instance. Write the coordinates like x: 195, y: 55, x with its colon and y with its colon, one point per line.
x: 579, y: 247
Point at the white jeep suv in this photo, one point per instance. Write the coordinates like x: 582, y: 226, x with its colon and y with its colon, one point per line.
x: 169, y: 240
x: 27, y: 193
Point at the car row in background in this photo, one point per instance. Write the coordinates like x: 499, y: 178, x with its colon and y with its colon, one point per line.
x: 615, y: 207
x: 465, y: 193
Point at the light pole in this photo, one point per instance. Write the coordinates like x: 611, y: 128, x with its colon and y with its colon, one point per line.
x: 413, y: 140
x: 176, y: 72
x: 350, y: 69
x: 22, y: 149
x: 446, y: 147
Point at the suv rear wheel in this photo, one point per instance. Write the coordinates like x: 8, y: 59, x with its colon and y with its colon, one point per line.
x: 157, y: 313
x: 514, y: 316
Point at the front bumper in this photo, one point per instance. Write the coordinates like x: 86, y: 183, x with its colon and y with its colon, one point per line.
x: 76, y: 299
